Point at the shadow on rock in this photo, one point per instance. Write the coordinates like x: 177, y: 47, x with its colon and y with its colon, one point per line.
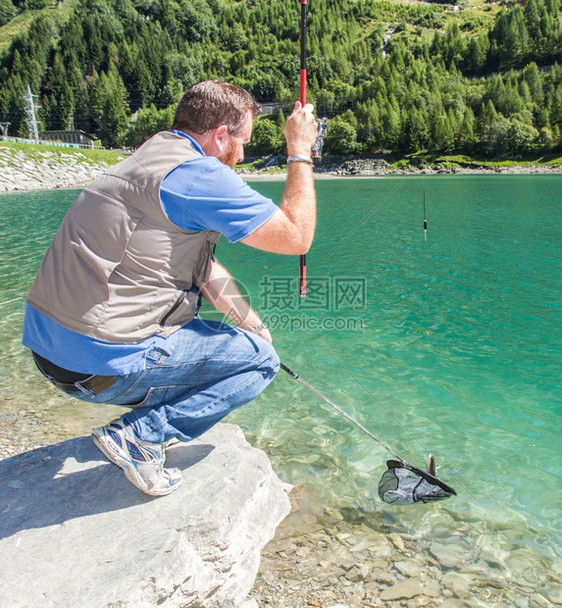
x: 69, y: 480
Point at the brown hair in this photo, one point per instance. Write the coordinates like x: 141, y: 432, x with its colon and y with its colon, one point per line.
x: 212, y: 103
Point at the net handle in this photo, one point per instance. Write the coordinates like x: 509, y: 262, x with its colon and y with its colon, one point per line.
x: 340, y: 411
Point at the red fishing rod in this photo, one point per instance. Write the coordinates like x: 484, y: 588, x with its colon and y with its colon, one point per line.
x: 304, y: 7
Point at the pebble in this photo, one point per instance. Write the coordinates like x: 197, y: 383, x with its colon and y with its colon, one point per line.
x: 458, y: 583
x: 397, y: 541
x: 408, y: 569
x: 448, y: 554
x: 403, y: 590
x: 556, y: 597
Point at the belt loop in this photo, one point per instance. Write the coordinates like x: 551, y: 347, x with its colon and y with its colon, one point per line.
x: 155, y: 355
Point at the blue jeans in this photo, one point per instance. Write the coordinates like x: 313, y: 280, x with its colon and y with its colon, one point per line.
x: 213, y: 369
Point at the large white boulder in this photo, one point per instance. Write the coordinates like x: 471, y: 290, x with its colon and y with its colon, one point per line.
x: 74, y: 532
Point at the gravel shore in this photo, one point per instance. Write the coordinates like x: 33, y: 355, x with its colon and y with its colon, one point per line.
x: 330, y: 557
x: 45, y: 170
x: 48, y: 170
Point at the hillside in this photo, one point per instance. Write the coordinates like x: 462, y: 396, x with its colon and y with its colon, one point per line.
x: 399, y: 76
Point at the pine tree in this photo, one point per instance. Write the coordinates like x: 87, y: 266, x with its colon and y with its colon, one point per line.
x: 58, y: 101
x: 116, y: 110
x: 391, y: 126
x: 443, y: 136
x: 486, y: 116
x: 415, y: 133
x: 532, y: 77
x: 476, y: 54
x: 533, y: 23
x: 466, y: 134
x: 509, y: 39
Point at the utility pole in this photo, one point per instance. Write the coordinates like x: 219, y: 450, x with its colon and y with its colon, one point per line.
x: 31, y: 119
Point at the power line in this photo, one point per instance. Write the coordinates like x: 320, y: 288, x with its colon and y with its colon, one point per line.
x: 30, y: 110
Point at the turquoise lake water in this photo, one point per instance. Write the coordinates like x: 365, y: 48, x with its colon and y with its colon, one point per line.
x: 447, y: 342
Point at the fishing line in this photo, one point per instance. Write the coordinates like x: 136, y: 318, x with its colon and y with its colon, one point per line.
x: 503, y: 503
x: 424, y: 218
x: 338, y: 409
x: 374, y: 210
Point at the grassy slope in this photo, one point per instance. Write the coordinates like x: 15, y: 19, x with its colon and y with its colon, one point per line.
x: 472, y: 162
x: 21, y: 23
x: 475, y: 15
x: 36, y: 151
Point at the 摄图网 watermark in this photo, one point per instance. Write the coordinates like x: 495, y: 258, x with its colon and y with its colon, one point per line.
x: 330, y: 304
x: 283, y: 308
x: 322, y: 294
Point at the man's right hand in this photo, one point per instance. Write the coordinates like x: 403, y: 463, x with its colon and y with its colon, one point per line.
x: 291, y: 229
x: 300, y: 130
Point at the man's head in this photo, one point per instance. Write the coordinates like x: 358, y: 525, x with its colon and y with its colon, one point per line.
x: 209, y: 104
x: 219, y: 116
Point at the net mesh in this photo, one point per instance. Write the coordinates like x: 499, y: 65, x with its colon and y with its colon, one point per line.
x: 404, y: 484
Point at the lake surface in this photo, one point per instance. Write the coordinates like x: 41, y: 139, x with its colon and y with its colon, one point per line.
x: 446, y: 341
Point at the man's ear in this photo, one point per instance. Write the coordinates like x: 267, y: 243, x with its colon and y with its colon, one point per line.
x: 221, y: 139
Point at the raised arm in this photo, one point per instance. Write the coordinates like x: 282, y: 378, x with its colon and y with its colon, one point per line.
x: 291, y: 229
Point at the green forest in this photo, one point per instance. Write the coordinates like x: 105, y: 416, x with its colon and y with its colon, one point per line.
x: 394, y: 76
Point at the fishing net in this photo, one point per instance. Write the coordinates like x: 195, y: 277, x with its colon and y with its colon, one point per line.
x: 404, y: 484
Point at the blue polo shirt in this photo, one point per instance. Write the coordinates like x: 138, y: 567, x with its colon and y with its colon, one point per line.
x: 199, y: 195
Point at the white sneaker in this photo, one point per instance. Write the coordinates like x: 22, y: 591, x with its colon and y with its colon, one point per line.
x: 142, y: 461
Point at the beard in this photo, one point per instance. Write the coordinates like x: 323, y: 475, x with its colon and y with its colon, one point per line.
x: 230, y: 157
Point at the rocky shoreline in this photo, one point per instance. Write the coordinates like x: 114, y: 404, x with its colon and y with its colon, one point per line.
x: 49, y: 170
x: 337, y: 556
x: 45, y: 170
x: 378, y: 167
x: 341, y: 558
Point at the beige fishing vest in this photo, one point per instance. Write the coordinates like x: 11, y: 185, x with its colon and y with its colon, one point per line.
x: 118, y: 270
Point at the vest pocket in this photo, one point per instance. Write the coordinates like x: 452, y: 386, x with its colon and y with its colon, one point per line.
x: 182, y: 311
